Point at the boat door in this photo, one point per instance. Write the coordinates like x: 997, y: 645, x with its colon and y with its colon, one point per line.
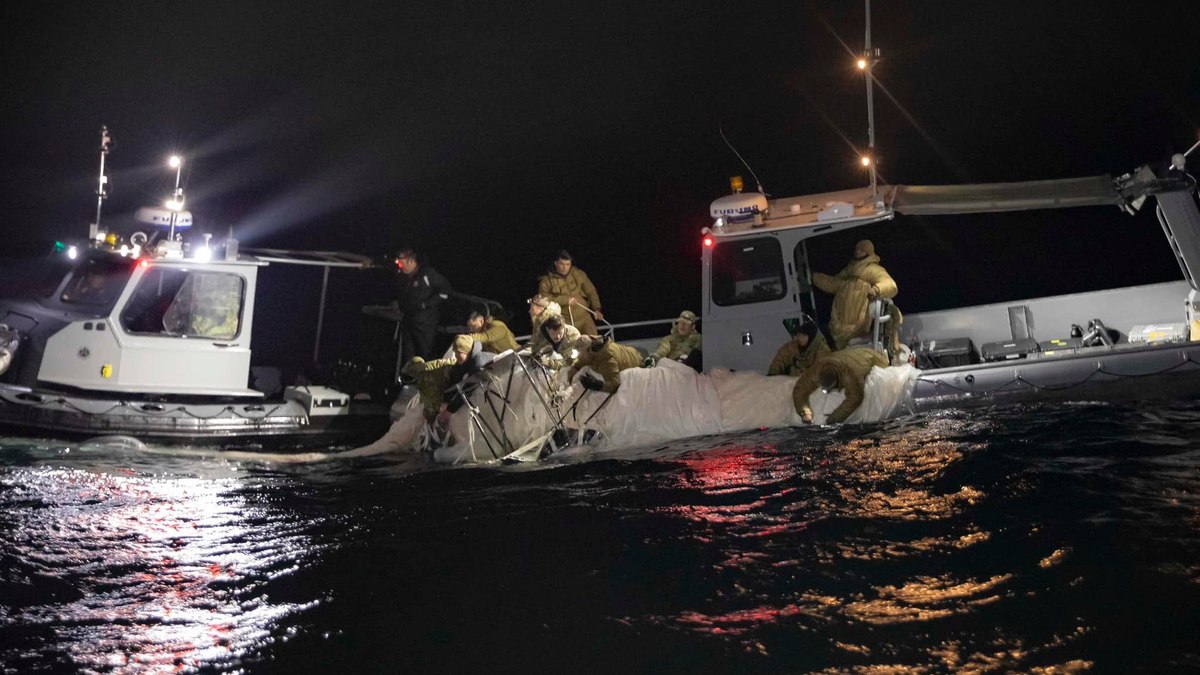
x: 180, y: 327
x: 750, y: 287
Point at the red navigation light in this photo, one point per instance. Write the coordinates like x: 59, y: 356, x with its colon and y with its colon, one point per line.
x: 708, y: 241
x: 144, y: 263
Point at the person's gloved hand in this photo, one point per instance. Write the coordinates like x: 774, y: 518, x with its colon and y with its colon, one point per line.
x: 590, y: 381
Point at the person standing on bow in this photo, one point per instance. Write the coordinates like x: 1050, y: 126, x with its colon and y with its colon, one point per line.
x: 797, y: 355
x: 422, y: 290
x: 571, y: 288
x: 853, y: 289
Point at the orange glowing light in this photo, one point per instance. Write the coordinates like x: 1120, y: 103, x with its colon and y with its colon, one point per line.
x: 708, y: 241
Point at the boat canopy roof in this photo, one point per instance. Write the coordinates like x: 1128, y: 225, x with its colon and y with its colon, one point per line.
x: 861, y: 206
x: 993, y: 197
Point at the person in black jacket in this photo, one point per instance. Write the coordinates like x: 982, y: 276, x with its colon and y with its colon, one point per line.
x: 422, y: 290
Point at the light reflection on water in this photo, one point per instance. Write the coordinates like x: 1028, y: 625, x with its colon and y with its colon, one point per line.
x: 154, y: 574
x: 1023, y: 540
x: 771, y: 516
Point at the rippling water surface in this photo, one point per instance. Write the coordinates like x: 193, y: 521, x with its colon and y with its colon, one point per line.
x: 1030, y: 539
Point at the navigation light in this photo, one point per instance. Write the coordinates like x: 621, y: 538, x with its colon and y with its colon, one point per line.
x: 866, y: 160
x: 736, y: 184
x: 708, y: 241
x: 861, y: 63
x: 175, y: 161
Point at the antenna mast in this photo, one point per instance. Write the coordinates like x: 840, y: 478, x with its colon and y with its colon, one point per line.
x: 101, y: 190
x: 866, y: 64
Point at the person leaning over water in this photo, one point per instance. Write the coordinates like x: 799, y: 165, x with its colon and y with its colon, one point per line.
x: 559, y: 339
x: 797, y: 355
x: 683, y: 342
x: 846, y: 369
x: 571, y: 288
x: 853, y: 289
x: 540, y: 309
x: 490, y: 332
x: 608, y: 359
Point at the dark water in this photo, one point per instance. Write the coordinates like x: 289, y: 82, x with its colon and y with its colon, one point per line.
x: 1023, y: 539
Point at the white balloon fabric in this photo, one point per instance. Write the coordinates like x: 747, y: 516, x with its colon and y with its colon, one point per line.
x: 522, y: 405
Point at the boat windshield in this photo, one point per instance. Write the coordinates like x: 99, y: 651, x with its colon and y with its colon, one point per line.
x: 97, y: 281
x: 33, y: 278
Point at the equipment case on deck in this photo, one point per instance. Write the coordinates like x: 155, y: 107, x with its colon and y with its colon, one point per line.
x: 1007, y: 350
x: 945, y: 353
x: 1060, y: 346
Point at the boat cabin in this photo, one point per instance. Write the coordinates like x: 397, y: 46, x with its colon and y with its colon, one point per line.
x: 757, y: 274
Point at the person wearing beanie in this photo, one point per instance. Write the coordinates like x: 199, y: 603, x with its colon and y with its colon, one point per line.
x: 797, y: 355
x: 853, y: 289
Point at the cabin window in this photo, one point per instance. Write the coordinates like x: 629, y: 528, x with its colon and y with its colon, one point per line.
x: 97, y: 282
x: 186, y: 303
x: 747, y: 270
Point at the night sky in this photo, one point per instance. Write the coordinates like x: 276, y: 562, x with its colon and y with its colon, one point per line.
x: 490, y: 135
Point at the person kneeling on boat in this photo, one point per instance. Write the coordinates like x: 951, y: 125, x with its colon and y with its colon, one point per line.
x: 683, y: 344
x: 847, y: 370
x: 853, y: 289
x: 492, y: 333
x: 559, y: 342
x: 606, y: 359
x: 798, y: 355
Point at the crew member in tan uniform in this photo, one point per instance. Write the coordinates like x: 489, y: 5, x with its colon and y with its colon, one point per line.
x: 853, y: 289
x: 571, y: 288
x: 846, y: 369
x: 608, y: 359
